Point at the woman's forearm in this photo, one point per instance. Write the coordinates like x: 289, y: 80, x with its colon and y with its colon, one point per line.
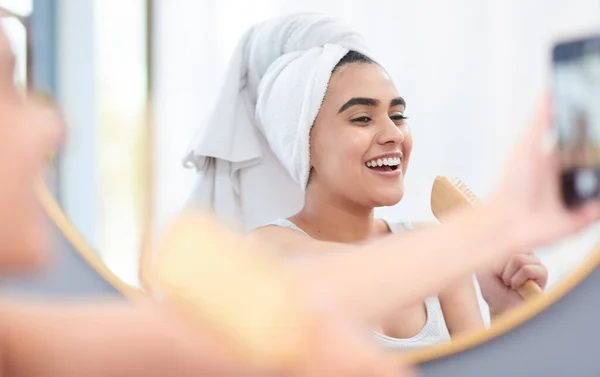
x: 371, y: 280
x: 106, y: 339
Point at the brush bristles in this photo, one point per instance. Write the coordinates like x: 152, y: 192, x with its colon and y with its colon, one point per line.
x: 464, y: 189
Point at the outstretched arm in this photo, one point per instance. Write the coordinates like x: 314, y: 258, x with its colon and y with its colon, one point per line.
x: 371, y: 279
x: 108, y: 339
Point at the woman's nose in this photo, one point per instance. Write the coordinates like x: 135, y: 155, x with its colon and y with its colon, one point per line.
x: 390, y: 134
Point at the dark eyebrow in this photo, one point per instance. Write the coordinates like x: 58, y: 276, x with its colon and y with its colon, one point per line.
x: 398, y: 101
x: 358, y: 101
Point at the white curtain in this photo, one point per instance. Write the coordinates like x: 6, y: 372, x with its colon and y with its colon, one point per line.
x: 472, y: 72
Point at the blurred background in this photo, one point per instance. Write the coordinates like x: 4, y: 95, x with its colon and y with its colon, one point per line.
x: 472, y: 72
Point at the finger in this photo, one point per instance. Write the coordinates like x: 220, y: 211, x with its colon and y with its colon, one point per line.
x: 541, y: 125
x: 540, y: 275
x: 515, y: 263
x: 535, y: 272
x: 533, y: 256
x: 549, y: 142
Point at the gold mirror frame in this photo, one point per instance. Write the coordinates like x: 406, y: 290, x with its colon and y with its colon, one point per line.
x: 61, y: 221
x: 458, y: 344
x: 510, y: 320
x: 55, y: 212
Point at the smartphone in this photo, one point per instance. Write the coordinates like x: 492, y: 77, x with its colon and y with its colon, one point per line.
x: 576, y: 95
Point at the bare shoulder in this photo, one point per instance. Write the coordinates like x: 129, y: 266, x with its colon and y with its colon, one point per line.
x: 290, y: 242
x: 278, y: 237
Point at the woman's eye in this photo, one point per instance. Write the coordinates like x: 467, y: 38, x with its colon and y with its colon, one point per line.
x: 363, y: 119
x: 398, y: 118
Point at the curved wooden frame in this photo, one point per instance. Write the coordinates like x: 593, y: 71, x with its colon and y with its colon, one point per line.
x: 509, y: 321
x: 70, y: 232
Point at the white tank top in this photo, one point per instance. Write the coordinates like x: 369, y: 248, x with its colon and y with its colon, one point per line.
x: 434, y: 331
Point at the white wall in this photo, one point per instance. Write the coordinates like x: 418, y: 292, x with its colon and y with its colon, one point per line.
x: 472, y: 72
x: 101, y: 73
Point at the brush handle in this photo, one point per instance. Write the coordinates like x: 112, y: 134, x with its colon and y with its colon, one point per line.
x: 446, y: 197
x: 530, y: 290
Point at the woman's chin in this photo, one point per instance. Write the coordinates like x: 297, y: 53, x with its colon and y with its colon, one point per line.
x: 388, y: 199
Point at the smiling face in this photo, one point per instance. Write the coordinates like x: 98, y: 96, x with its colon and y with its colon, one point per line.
x: 360, y: 143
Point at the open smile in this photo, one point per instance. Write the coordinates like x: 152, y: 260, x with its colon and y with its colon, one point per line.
x: 386, y: 165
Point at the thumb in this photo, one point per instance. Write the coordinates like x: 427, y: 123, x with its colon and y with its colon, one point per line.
x: 540, y: 134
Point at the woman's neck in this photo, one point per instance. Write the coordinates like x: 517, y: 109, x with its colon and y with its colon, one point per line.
x: 329, y: 218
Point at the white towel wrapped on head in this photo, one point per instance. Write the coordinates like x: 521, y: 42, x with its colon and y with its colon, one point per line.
x: 252, y: 152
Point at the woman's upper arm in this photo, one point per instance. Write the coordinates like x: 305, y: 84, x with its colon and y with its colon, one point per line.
x: 461, y: 307
x: 459, y: 301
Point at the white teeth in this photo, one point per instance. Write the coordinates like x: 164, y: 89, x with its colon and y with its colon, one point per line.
x: 391, y: 161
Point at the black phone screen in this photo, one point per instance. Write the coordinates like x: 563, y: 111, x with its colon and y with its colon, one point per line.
x: 576, y: 94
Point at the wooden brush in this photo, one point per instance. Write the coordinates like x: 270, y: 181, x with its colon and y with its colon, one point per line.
x: 448, y: 194
x: 213, y: 280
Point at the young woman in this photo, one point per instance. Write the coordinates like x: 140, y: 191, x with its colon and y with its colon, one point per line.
x: 360, y: 147
x: 336, y: 124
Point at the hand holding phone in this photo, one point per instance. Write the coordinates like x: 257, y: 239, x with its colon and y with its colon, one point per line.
x: 576, y: 79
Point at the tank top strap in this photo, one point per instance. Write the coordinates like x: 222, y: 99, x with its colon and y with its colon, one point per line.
x: 285, y: 223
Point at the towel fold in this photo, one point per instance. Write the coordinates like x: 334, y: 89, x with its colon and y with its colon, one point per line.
x: 252, y: 152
